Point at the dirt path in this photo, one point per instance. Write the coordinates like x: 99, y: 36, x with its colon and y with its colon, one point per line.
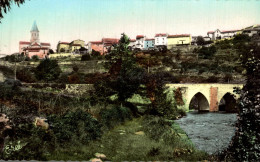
x: 210, y: 132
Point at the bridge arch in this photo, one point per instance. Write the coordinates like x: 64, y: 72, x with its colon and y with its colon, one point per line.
x: 200, y: 101
x: 228, y: 103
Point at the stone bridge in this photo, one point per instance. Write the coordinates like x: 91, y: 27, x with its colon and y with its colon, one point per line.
x: 208, y: 97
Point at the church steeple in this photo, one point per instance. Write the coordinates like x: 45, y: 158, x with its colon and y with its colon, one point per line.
x: 35, y: 33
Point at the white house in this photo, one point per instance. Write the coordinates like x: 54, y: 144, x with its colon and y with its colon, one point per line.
x: 160, y: 39
x: 132, y: 43
x: 215, y: 35
x: 139, y: 43
x: 252, y: 30
x: 229, y: 33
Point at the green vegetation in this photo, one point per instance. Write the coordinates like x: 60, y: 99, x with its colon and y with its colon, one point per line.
x: 245, y: 144
x: 47, y: 70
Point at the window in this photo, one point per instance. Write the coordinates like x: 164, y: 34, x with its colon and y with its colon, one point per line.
x: 141, y: 45
x: 147, y: 45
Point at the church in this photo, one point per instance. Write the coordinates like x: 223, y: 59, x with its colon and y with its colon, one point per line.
x: 34, y: 47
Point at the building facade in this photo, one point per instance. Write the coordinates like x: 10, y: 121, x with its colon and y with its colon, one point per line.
x: 176, y: 40
x: 148, y: 44
x: 72, y: 47
x: 63, y: 47
x: 139, y: 43
x: 252, y: 30
x: 34, y: 47
x: 132, y: 43
x: 160, y: 39
x: 104, y: 46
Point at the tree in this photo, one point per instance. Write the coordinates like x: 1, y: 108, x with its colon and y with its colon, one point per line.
x: 207, y: 52
x: 35, y: 58
x: 51, y: 51
x: 125, y: 75
x: 5, y: 6
x: 82, y: 50
x: 62, y: 50
x: 245, y: 144
x: 200, y: 40
x: 48, y: 70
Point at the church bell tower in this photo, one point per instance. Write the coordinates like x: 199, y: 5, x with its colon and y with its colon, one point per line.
x: 35, y: 34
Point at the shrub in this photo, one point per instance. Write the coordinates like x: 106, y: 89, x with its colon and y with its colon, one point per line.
x: 74, y: 79
x: 158, y: 129
x: 114, y: 116
x: 207, y: 52
x: 85, y: 57
x: 77, y: 126
x: 75, y: 68
x: 25, y: 75
x: 35, y: 58
x: 48, y: 70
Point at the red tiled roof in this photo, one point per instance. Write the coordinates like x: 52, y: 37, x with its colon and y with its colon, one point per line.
x: 64, y: 43
x: 23, y: 42
x: 45, y: 44
x: 96, y: 42
x: 151, y: 39
x: 178, y: 35
x: 110, y: 40
x: 35, y: 48
x: 139, y: 36
x: 210, y: 32
x: 160, y: 35
x: 228, y: 31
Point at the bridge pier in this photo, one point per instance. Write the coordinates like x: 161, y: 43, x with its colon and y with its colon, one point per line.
x: 213, y: 106
x: 208, y: 95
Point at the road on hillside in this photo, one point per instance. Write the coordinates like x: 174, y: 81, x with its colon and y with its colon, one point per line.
x: 210, y: 132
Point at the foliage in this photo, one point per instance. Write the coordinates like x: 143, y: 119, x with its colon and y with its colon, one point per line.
x: 207, y: 52
x: 224, y: 44
x: 245, y: 144
x: 8, y: 91
x: 95, y: 53
x: 158, y: 129
x: 114, y: 116
x: 85, y: 57
x: 25, y: 75
x: 77, y: 125
x: 125, y: 77
x: 200, y: 40
x: 162, y: 100
x: 35, y: 58
x: 51, y: 51
x: 48, y: 70
x: 6, y: 6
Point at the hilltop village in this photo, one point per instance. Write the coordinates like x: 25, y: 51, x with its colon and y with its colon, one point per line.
x: 140, y: 43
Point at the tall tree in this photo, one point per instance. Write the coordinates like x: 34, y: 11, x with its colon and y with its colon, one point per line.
x: 5, y: 6
x: 245, y: 144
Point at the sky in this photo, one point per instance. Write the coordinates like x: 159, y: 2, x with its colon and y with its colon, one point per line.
x: 92, y: 20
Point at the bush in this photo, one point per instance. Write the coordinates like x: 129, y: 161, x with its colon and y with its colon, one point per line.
x: 114, y: 116
x: 158, y: 129
x: 85, y: 57
x: 48, y: 70
x: 25, y: 75
x: 207, y: 52
x: 77, y: 126
x: 35, y: 58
